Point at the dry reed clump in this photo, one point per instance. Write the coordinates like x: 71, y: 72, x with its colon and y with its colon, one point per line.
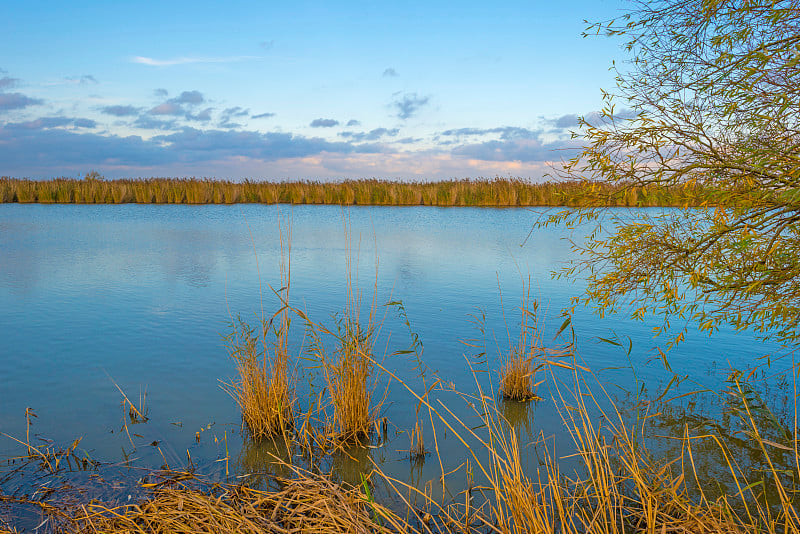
x: 620, y: 486
x: 623, y: 487
x: 516, y: 375
x: 348, y: 369
x: 306, y: 503
x: 348, y: 375
x: 517, y: 372
x: 416, y: 450
x: 263, y: 389
x: 344, y: 412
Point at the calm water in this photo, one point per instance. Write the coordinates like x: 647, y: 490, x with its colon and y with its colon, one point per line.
x: 141, y: 294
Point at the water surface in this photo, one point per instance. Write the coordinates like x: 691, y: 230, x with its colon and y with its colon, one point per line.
x: 140, y: 295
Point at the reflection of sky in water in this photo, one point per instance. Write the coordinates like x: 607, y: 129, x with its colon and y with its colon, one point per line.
x: 142, y: 293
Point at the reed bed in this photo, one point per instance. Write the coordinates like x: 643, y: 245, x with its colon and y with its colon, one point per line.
x: 344, y: 353
x: 619, y: 485
x: 496, y: 192
x: 623, y: 487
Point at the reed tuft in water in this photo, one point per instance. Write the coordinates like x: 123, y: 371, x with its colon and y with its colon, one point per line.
x: 518, y: 371
x: 347, y: 360
x: 618, y: 486
x: 416, y: 450
x: 516, y: 382
x: 262, y: 388
x: 348, y: 372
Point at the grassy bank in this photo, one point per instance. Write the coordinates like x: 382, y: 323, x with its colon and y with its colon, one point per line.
x: 498, y: 192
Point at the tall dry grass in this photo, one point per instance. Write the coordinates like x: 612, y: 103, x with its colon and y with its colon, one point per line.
x: 264, y: 389
x: 618, y: 486
x: 348, y: 369
x: 518, y: 368
x: 497, y: 192
x: 348, y: 375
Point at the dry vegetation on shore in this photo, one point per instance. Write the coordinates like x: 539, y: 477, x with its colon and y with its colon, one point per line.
x: 498, y: 192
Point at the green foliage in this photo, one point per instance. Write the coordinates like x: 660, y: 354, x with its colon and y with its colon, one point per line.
x: 709, y: 102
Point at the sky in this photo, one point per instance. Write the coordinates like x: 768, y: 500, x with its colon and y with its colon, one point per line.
x: 298, y: 90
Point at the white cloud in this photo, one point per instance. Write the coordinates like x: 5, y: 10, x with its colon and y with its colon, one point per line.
x: 143, y: 60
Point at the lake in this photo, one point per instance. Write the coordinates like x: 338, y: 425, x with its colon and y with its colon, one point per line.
x: 98, y: 298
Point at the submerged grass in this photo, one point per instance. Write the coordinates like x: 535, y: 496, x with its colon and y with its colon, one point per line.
x: 497, y: 192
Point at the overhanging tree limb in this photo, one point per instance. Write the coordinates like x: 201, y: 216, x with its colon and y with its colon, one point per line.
x: 710, y: 99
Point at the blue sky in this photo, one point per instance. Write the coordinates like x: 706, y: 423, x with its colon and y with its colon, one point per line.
x: 301, y: 90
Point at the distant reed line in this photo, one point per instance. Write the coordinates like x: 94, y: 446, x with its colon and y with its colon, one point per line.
x: 497, y: 192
